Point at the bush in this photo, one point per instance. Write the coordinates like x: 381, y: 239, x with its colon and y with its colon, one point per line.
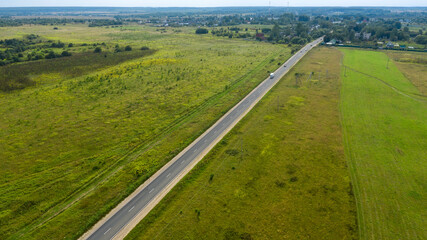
x: 50, y: 55
x: 266, y: 30
x: 128, y: 48
x: 117, y: 48
x: 59, y: 44
x: 65, y: 54
x: 202, y: 31
x: 145, y: 48
x: 97, y: 50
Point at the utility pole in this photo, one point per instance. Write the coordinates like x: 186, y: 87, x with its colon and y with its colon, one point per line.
x: 388, y: 60
x: 345, y: 71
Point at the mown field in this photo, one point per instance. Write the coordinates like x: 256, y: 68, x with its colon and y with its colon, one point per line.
x: 279, y: 174
x: 73, y: 145
x: 385, y: 133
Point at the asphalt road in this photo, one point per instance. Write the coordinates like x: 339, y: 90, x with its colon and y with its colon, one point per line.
x: 109, y: 229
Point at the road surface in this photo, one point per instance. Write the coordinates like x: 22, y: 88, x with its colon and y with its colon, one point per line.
x: 118, y: 223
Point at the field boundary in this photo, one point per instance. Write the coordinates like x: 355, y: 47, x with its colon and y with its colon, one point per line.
x: 389, y: 85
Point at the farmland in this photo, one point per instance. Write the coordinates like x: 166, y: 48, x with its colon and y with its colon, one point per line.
x: 414, y: 66
x: 94, y: 101
x: 280, y: 173
x: 385, y: 127
x: 85, y: 135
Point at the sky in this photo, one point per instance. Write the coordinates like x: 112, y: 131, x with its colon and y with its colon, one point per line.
x: 208, y: 3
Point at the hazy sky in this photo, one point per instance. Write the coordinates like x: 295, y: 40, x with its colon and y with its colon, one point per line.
x: 208, y: 3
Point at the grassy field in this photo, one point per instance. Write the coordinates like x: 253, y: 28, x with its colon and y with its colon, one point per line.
x: 279, y: 174
x: 414, y: 66
x: 73, y: 146
x: 385, y: 129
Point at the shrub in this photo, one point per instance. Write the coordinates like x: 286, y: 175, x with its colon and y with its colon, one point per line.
x: 59, y: 44
x: 128, y: 48
x: 117, y: 48
x: 266, y: 30
x: 293, y: 179
x: 202, y: 31
x: 97, y: 50
x: 65, y: 54
x: 232, y: 152
x: 145, y: 48
x: 50, y: 55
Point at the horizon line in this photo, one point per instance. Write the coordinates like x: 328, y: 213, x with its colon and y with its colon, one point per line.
x: 373, y: 6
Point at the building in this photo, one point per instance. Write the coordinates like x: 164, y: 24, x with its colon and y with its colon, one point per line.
x: 366, y: 36
x: 260, y: 36
x: 390, y: 45
x: 332, y: 42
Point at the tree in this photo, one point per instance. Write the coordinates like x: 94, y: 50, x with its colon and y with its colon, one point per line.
x: 421, y: 39
x: 298, y: 40
x: 398, y: 25
x: 202, y: 31
x: 275, y: 32
x: 300, y: 29
x: 303, y: 18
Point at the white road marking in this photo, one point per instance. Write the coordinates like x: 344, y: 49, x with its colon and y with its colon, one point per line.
x: 107, y: 231
x: 151, y: 190
x: 131, y: 208
x: 168, y: 175
x: 195, y: 150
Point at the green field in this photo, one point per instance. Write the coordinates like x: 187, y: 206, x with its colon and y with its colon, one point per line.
x: 414, y: 66
x: 279, y: 174
x: 385, y: 133
x: 335, y: 151
x: 76, y: 143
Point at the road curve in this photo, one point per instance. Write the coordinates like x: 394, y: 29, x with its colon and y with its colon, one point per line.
x: 122, y: 219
